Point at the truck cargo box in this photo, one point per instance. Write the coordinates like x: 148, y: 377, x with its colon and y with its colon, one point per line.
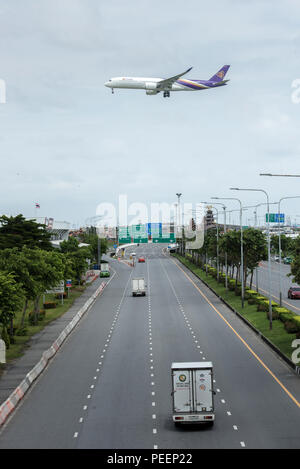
x: 138, y: 287
x: 192, y: 392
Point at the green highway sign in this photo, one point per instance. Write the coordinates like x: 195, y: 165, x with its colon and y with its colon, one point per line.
x: 275, y: 217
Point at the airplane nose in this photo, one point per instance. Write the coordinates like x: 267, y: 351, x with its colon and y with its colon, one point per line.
x: 107, y: 83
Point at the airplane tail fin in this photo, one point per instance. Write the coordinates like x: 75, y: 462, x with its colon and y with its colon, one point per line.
x: 219, y: 76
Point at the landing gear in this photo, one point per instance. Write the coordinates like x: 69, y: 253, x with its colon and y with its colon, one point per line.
x: 112, y: 90
x: 166, y: 94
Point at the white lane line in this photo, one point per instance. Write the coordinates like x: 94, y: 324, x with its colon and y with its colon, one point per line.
x: 243, y: 444
x: 235, y: 427
x: 75, y: 434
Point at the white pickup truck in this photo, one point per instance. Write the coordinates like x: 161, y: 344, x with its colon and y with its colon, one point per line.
x: 192, y: 392
x: 138, y: 287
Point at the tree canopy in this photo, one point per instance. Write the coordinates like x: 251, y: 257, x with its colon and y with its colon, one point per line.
x: 16, y: 232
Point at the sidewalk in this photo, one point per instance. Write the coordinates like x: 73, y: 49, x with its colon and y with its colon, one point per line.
x: 17, y: 370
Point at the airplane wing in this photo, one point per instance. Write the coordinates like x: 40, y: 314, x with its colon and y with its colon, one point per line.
x: 168, y: 82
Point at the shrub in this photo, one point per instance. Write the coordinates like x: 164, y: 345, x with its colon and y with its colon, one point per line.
x: 238, y: 291
x: 247, y: 294
x: 264, y: 306
x: 296, y: 321
x: 252, y: 293
x: 231, y: 284
x: 275, y: 315
x: 260, y: 299
x: 251, y: 301
x: 290, y: 327
x: 284, y: 313
x: 50, y: 304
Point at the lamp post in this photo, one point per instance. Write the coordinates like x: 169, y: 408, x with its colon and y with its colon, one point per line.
x: 91, y: 220
x: 179, y: 194
x: 224, y: 211
x: 217, y: 237
x: 242, y: 253
x: 279, y: 244
x: 269, y: 244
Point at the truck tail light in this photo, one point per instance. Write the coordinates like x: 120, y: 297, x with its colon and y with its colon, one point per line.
x: 179, y: 418
x: 208, y: 417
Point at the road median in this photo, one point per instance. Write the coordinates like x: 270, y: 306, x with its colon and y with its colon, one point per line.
x: 278, y: 338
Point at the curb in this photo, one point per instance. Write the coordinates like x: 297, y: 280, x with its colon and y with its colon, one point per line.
x: 296, y: 368
x: 11, y: 402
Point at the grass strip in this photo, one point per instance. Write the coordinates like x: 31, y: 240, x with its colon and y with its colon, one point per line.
x: 20, y: 344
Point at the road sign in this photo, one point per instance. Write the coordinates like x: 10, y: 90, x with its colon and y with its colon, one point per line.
x: 275, y: 217
x: 59, y: 289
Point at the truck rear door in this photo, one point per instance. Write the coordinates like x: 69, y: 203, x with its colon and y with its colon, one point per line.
x: 203, y: 396
x: 182, y: 395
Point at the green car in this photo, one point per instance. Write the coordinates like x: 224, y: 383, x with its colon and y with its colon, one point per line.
x: 287, y: 260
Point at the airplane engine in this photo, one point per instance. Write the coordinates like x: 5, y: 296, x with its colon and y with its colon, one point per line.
x: 150, y: 86
x: 151, y: 92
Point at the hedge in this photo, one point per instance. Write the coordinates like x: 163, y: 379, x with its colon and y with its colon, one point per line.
x: 264, y: 305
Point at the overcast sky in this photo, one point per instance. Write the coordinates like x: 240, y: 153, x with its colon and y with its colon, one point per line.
x: 69, y: 144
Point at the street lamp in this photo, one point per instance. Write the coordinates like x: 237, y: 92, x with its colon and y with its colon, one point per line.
x: 179, y: 194
x: 217, y: 237
x: 224, y: 211
x: 269, y: 244
x: 242, y: 254
x: 91, y: 220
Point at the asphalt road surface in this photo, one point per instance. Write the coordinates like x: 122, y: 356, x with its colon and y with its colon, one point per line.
x: 109, y: 386
x: 286, y: 283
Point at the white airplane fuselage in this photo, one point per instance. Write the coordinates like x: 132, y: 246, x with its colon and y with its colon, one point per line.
x: 142, y: 83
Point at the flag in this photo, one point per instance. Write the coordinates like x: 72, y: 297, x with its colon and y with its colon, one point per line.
x: 37, y: 205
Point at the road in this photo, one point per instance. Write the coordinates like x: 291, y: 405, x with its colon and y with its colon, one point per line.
x: 110, y: 384
x: 286, y: 282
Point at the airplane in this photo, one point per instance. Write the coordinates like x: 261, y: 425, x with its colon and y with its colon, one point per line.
x: 176, y: 83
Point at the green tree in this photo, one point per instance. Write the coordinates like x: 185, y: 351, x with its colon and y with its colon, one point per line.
x: 69, y: 245
x: 18, y: 232
x: 295, y: 266
x: 255, y: 250
x: 11, y: 300
x: 94, y: 241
